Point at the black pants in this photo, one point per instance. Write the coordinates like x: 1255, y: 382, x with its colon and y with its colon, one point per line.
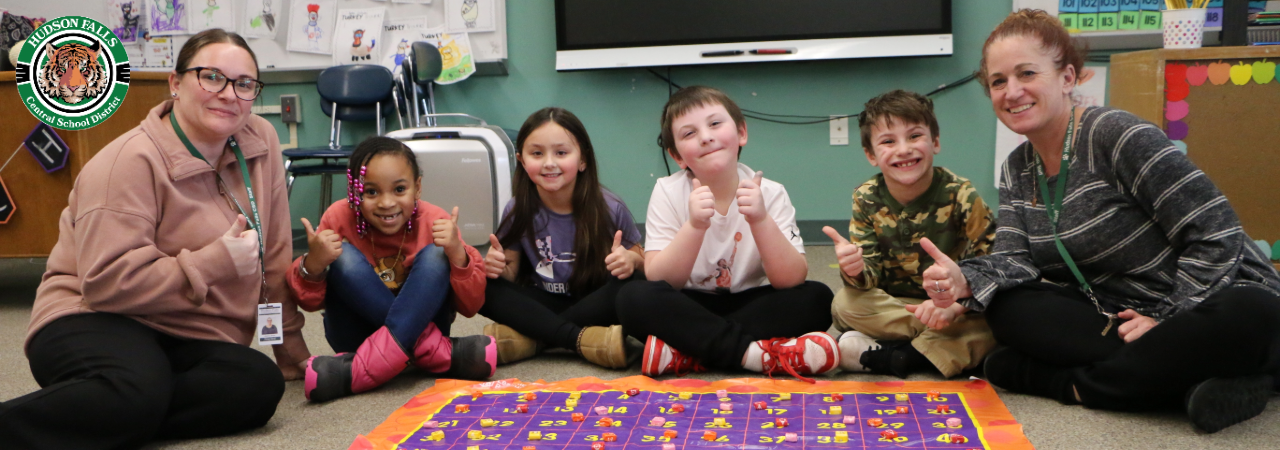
x: 1235, y: 332
x: 110, y: 382
x: 717, y: 328
x: 554, y: 319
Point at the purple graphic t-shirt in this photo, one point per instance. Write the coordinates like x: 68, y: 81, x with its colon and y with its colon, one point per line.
x: 551, y: 254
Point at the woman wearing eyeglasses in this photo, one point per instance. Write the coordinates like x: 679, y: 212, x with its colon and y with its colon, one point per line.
x: 143, y: 325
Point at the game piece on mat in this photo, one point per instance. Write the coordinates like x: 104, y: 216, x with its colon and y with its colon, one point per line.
x: 708, y: 435
x: 721, y: 393
x: 726, y: 407
x: 522, y: 408
x: 954, y: 422
x: 875, y: 422
x: 605, y: 422
x: 657, y: 421
x: 633, y: 392
x: 609, y: 437
x: 475, y: 435
x: 791, y: 437
x: 685, y: 395
x: 572, y: 403
x: 761, y: 405
x: 473, y: 447
x: 719, y: 421
x: 670, y: 434
x: 461, y: 408
x: 436, y: 435
x: 836, y: 411
x: 888, y: 434
x: 431, y: 424
x: 958, y: 439
x: 528, y: 447
x: 901, y: 397
x: 668, y: 446
x: 476, y: 396
x: 597, y: 446
x: 675, y: 408
x: 601, y: 410
x: 575, y: 395
x: 850, y: 419
x: 530, y: 396
x: 932, y: 394
x: 578, y: 417
x: 842, y: 436
x: 780, y: 422
x: 488, y: 422
x: 785, y: 396
x: 535, y: 435
x: 903, y: 409
x: 943, y: 409
x: 837, y: 397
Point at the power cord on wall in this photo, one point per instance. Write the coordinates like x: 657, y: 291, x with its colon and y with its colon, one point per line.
x: 769, y: 117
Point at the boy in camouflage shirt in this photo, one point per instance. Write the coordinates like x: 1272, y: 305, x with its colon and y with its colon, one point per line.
x: 898, y: 216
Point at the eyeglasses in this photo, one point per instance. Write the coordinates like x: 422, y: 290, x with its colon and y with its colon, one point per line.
x: 214, y: 81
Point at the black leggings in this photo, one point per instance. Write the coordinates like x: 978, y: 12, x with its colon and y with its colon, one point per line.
x: 717, y: 328
x: 1234, y: 332
x: 554, y: 319
x: 111, y: 382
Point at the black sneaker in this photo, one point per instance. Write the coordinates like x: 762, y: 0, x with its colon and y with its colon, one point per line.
x: 1014, y: 371
x: 1218, y: 403
x: 328, y: 377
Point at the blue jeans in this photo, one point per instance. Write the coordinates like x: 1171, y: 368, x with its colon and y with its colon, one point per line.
x: 357, y: 303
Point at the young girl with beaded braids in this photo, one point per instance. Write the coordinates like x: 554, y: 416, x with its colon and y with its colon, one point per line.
x: 382, y: 264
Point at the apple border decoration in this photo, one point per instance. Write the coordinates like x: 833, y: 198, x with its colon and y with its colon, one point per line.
x: 1179, y: 78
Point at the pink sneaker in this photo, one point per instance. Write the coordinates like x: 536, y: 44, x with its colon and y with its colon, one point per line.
x: 813, y: 353
x: 660, y: 358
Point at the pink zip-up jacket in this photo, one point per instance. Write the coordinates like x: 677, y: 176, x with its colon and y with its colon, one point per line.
x: 141, y: 237
x: 467, y: 284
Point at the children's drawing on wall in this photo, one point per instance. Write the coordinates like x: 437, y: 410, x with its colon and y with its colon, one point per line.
x: 469, y: 16
x: 260, y: 18
x: 397, y: 36
x: 124, y: 18
x: 213, y: 14
x: 358, y: 36
x: 310, y: 26
x: 157, y: 52
x: 167, y: 17
x: 455, y: 56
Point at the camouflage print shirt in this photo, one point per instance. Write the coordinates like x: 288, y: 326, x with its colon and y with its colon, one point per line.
x: 950, y: 213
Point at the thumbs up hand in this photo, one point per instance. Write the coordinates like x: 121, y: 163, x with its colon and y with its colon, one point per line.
x: 943, y: 281
x: 444, y: 233
x: 751, y: 200
x: 243, y: 246
x: 621, y: 262
x: 847, y: 254
x: 702, y: 205
x: 323, y: 248
x: 495, y: 260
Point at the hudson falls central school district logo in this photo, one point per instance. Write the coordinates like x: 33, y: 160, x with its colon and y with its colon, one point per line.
x: 72, y: 73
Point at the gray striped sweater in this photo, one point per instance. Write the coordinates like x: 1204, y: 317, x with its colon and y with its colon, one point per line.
x: 1148, y: 230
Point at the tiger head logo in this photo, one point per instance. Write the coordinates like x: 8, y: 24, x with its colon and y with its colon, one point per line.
x: 72, y: 73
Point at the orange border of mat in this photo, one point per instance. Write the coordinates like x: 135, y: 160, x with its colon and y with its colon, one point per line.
x: 1000, y: 430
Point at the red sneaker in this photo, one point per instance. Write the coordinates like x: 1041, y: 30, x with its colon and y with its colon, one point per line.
x: 813, y: 353
x: 660, y: 358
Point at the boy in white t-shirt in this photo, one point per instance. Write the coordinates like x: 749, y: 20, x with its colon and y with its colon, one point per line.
x: 724, y: 257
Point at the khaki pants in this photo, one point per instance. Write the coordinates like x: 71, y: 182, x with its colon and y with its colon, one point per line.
x: 881, y: 316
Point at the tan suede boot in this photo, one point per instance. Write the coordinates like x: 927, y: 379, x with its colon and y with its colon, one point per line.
x: 604, y: 346
x: 512, y: 346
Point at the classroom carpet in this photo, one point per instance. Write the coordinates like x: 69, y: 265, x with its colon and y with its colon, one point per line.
x: 335, y: 425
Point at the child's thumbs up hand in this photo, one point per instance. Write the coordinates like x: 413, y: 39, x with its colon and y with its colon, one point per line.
x: 751, y: 200
x: 847, y: 254
x: 445, y: 234
x: 495, y: 260
x: 323, y: 248
x: 620, y: 262
x: 702, y: 205
x: 943, y: 281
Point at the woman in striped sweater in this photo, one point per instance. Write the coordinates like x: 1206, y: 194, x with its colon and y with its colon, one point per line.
x: 1121, y: 278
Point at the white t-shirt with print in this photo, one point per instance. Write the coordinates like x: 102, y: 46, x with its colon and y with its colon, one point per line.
x: 728, y: 260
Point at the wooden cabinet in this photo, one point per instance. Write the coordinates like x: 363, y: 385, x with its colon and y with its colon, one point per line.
x: 40, y: 197
x: 1231, y: 126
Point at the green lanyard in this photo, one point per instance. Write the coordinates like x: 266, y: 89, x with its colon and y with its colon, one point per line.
x: 1053, y: 207
x: 255, y: 222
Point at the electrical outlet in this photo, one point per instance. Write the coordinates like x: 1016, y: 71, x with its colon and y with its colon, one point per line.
x: 839, y: 130
x: 289, y: 109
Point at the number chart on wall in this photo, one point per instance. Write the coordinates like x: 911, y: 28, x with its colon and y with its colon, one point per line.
x: 638, y: 413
